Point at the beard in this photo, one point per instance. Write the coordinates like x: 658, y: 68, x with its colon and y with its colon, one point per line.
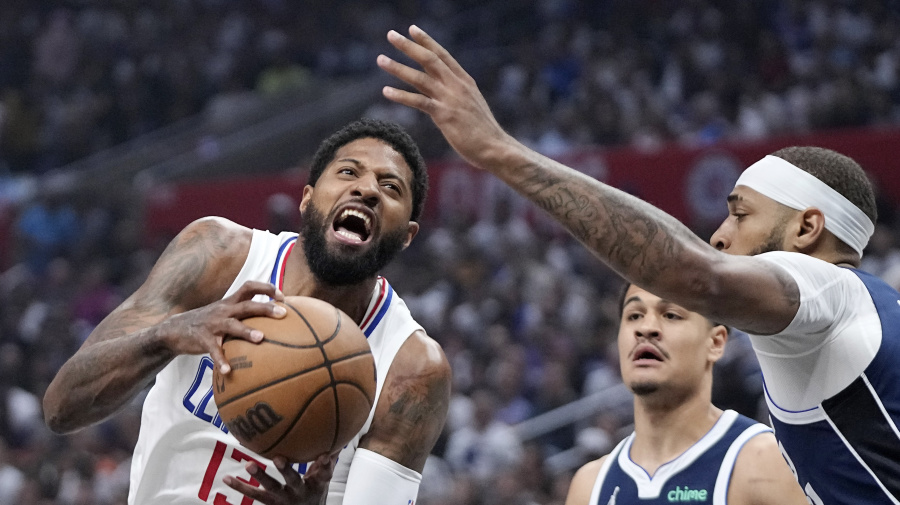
x: 774, y: 241
x: 338, y: 268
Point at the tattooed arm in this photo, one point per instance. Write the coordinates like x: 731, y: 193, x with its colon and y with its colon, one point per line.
x: 172, y: 313
x: 642, y: 243
x: 413, y: 405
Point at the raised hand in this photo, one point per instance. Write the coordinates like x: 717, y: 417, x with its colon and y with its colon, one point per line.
x: 202, y: 330
x: 448, y: 94
x: 309, y: 489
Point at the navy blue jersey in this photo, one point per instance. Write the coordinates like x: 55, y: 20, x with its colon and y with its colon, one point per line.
x: 846, y: 450
x: 700, y: 475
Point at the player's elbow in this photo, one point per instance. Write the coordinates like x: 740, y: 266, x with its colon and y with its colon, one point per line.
x: 57, y: 417
x: 56, y: 423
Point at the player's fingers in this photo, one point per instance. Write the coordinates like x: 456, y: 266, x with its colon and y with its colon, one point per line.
x: 231, y: 328
x: 291, y: 477
x: 218, y: 357
x: 429, y: 61
x: 414, y: 100
x: 247, y: 490
x: 415, y: 78
x: 425, y: 40
x: 252, y: 288
x: 249, y: 308
x: 265, y: 480
x: 319, y: 473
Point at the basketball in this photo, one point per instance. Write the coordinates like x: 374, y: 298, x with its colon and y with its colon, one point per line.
x: 305, y: 390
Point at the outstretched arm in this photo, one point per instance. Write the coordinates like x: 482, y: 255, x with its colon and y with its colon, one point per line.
x: 642, y: 243
x: 172, y: 313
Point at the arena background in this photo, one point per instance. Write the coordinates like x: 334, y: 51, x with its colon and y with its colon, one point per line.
x: 121, y: 123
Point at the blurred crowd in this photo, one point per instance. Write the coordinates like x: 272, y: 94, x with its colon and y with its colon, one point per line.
x: 77, y: 77
x: 526, y: 332
x: 697, y: 71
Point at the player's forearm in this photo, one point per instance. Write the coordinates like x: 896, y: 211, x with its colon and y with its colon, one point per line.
x: 641, y: 242
x: 102, y: 377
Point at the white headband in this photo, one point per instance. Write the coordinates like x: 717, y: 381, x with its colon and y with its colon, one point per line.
x: 788, y: 185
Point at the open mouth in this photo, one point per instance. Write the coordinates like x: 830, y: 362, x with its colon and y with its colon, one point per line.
x: 353, y: 226
x: 647, y: 352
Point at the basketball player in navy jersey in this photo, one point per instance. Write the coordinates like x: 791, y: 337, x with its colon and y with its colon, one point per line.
x: 783, y: 268
x: 365, y: 193
x: 683, y: 449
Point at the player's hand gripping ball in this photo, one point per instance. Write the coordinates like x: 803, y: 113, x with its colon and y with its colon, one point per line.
x: 305, y: 390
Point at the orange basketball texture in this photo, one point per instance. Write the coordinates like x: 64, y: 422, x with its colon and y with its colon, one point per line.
x: 305, y: 390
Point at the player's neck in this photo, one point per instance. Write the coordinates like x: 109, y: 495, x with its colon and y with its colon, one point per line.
x: 353, y: 299
x: 664, y: 431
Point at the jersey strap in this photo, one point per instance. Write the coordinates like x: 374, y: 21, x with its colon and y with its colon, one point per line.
x: 284, y: 251
x: 379, y: 308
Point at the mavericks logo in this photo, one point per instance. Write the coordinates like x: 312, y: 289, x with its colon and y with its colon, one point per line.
x: 686, y: 495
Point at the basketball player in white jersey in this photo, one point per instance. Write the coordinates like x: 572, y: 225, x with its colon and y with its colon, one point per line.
x: 365, y: 192
x: 783, y: 269
x: 683, y: 449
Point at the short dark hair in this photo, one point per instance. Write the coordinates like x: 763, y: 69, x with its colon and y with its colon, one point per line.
x: 391, y: 134
x: 624, y: 291
x: 839, y: 172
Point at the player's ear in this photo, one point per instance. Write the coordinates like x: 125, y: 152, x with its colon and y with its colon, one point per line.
x: 307, y: 194
x: 811, y: 223
x: 412, y: 230
x: 718, y: 339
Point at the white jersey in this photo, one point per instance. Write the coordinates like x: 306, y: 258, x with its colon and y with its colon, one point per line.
x: 184, y: 449
x: 831, y: 383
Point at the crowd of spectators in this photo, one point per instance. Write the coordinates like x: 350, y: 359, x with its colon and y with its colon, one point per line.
x: 697, y: 71
x: 77, y: 77
x: 525, y: 332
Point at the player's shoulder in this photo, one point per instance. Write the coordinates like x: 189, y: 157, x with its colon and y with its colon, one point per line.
x: 583, y: 482
x: 217, y: 236
x: 213, y: 249
x: 762, y: 476
x: 803, y: 264
x: 218, y: 228
x: 590, y: 470
x: 423, y: 354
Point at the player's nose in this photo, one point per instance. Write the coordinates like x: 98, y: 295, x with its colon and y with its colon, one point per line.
x: 720, y: 239
x: 648, y: 327
x: 366, y: 188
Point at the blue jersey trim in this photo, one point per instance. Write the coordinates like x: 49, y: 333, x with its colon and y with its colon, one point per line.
x: 274, y: 277
x: 378, y: 317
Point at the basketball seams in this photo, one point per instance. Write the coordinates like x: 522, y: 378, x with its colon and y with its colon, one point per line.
x: 292, y: 376
x: 290, y: 427
x: 348, y: 357
x: 274, y: 342
x: 342, y: 379
x: 266, y: 385
x: 326, y: 362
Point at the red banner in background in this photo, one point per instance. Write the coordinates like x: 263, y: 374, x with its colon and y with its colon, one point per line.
x: 690, y: 183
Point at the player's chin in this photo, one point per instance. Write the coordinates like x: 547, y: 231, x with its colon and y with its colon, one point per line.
x: 643, y: 387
